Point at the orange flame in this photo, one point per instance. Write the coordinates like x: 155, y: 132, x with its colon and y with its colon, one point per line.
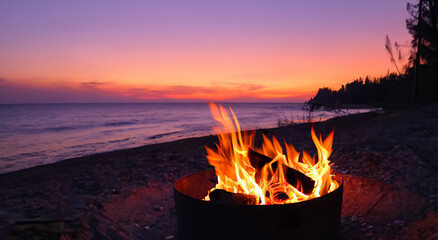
x: 268, y: 177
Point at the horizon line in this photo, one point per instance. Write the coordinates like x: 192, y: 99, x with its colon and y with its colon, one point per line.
x: 178, y: 102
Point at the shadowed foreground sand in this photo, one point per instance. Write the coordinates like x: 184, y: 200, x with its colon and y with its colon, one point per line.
x: 389, y: 162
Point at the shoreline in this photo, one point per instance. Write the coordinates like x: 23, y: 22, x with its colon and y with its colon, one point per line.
x: 160, y: 138
x: 128, y: 193
x: 45, y: 134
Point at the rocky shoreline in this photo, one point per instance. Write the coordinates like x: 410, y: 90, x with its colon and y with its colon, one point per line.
x: 389, y: 161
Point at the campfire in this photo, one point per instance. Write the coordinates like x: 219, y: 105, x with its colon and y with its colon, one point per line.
x: 266, y: 175
x: 259, y: 193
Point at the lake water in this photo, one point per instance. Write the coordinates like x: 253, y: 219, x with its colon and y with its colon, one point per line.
x: 35, y: 134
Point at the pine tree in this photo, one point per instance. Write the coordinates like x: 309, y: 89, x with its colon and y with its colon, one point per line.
x: 423, y: 27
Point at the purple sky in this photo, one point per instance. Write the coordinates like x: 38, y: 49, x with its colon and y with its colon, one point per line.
x: 201, y: 50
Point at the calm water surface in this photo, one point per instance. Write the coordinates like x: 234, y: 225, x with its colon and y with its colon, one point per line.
x: 35, y: 134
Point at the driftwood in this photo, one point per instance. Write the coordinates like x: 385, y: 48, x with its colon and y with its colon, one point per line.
x: 224, y: 197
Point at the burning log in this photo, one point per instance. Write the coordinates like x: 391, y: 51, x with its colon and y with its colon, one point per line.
x: 281, y: 196
x: 299, y: 180
x: 224, y: 197
x: 259, y: 160
x: 295, y: 178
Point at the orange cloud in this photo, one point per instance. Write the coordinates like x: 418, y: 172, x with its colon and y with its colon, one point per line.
x: 221, y: 91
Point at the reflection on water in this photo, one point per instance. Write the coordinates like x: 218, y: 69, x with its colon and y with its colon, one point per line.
x: 35, y: 134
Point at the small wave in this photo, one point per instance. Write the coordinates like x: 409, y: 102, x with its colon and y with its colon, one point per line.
x: 120, y: 140
x: 156, y: 136
x: 6, y: 159
x: 116, y: 124
x: 58, y: 129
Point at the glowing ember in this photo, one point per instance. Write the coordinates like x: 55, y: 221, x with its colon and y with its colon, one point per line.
x: 267, y: 176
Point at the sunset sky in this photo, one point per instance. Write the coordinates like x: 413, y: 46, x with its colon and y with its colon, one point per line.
x: 142, y: 51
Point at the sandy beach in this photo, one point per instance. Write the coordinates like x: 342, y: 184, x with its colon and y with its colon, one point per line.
x: 389, y: 162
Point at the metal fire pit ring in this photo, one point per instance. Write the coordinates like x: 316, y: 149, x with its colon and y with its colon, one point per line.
x: 317, y: 218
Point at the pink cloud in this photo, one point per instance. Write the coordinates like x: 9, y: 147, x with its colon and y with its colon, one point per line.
x: 19, y: 93
x: 94, y: 91
x: 94, y: 84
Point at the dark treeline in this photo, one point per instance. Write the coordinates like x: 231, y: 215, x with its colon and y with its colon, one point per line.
x: 388, y: 91
x: 417, y: 83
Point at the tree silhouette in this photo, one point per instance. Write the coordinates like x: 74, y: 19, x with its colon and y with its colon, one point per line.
x: 424, y: 29
x: 418, y: 82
